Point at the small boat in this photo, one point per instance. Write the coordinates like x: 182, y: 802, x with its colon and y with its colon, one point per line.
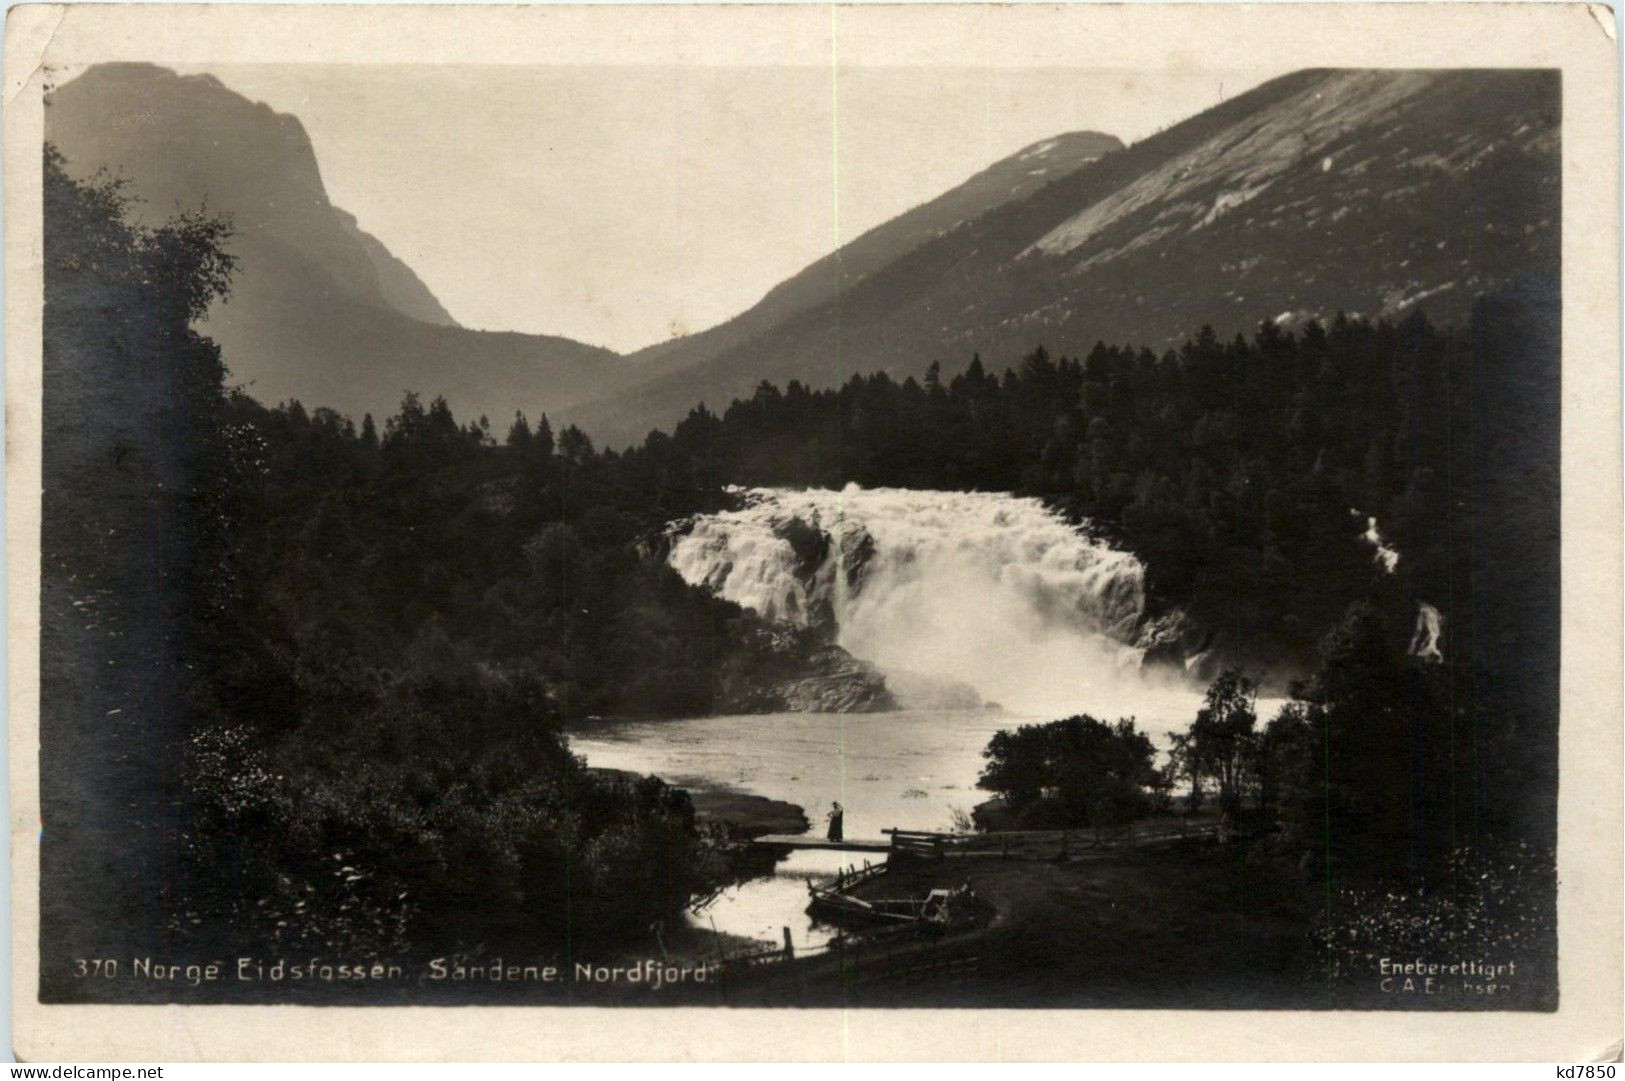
x: 943, y: 908
x: 830, y: 903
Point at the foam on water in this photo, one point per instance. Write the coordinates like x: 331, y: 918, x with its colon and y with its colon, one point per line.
x: 982, y: 588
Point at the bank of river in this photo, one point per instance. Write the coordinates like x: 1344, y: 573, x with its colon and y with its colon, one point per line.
x: 909, y: 770
x: 749, y: 814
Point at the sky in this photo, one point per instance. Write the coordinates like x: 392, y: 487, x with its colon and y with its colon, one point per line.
x: 621, y: 205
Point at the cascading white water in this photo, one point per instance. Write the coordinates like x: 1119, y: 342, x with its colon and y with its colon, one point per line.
x: 1429, y: 629
x: 1385, y: 554
x: 986, y: 589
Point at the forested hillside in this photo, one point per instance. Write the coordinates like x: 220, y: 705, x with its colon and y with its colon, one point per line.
x: 320, y: 309
x: 1322, y: 191
x: 1246, y: 474
x: 325, y: 669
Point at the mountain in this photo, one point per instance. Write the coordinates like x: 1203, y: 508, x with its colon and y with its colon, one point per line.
x: 1013, y: 178
x: 320, y: 309
x: 1363, y: 191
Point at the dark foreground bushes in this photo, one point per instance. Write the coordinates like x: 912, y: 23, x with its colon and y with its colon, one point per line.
x: 304, y: 685
x: 1479, y: 936
x: 445, y: 812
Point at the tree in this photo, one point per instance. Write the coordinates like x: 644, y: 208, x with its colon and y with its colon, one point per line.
x: 574, y: 446
x: 1221, y: 744
x: 1369, y: 755
x: 141, y: 503
x: 519, y: 436
x: 1284, y: 751
x: 1017, y: 766
x: 1182, y: 763
x: 1085, y: 770
x: 933, y: 379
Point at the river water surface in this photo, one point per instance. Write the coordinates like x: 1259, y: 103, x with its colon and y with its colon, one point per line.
x: 983, y: 590
x: 908, y: 770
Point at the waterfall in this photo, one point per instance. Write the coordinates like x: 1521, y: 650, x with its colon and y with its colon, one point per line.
x: 1386, y: 555
x: 976, y: 588
x: 1429, y: 629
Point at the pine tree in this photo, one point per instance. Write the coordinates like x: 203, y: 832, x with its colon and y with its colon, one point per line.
x: 519, y: 436
x: 933, y: 379
x: 574, y: 446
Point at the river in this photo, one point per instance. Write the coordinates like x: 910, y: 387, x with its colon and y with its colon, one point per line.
x: 910, y: 770
x: 982, y: 591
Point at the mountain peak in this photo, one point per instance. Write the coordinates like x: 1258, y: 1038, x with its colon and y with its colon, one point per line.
x: 1010, y: 179
x: 1006, y: 180
x: 187, y: 141
x: 1363, y: 191
x: 320, y: 309
x: 1085, y: 145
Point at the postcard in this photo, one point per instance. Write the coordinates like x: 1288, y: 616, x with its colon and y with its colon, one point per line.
x: 814, y: 532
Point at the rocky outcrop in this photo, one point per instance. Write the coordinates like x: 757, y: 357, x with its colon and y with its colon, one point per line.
x: 743, y: 814
x: 780, y: 668
x: 819, y: 579
x: 807, y: 540
x: 655, y: 546
x: 1171, y: 639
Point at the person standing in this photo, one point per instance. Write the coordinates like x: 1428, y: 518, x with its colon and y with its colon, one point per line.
x: 836, y: 833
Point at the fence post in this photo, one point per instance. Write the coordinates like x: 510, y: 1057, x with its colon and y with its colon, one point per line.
x: 789, y: 948
x: 722, y: 962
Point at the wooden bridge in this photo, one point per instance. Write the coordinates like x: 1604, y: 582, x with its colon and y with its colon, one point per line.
x: 906, y: 842
x: 895, y: 950
x: 812, y: 840
x: 1019, y: 844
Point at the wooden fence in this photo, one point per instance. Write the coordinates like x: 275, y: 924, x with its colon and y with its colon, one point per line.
x: 931, y: 846
x: 1010, y: 844
x: 848, y: 877
x: 882, y: 943
x: 1064, y: 844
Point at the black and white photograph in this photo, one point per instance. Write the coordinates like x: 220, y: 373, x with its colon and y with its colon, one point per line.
x: 1045, y: 533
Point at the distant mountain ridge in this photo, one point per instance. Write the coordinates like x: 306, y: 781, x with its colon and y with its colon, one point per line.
x: 1007, y: 180
x: 1364, y: 191
x: 186, y: 141
x: 320, y: 310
